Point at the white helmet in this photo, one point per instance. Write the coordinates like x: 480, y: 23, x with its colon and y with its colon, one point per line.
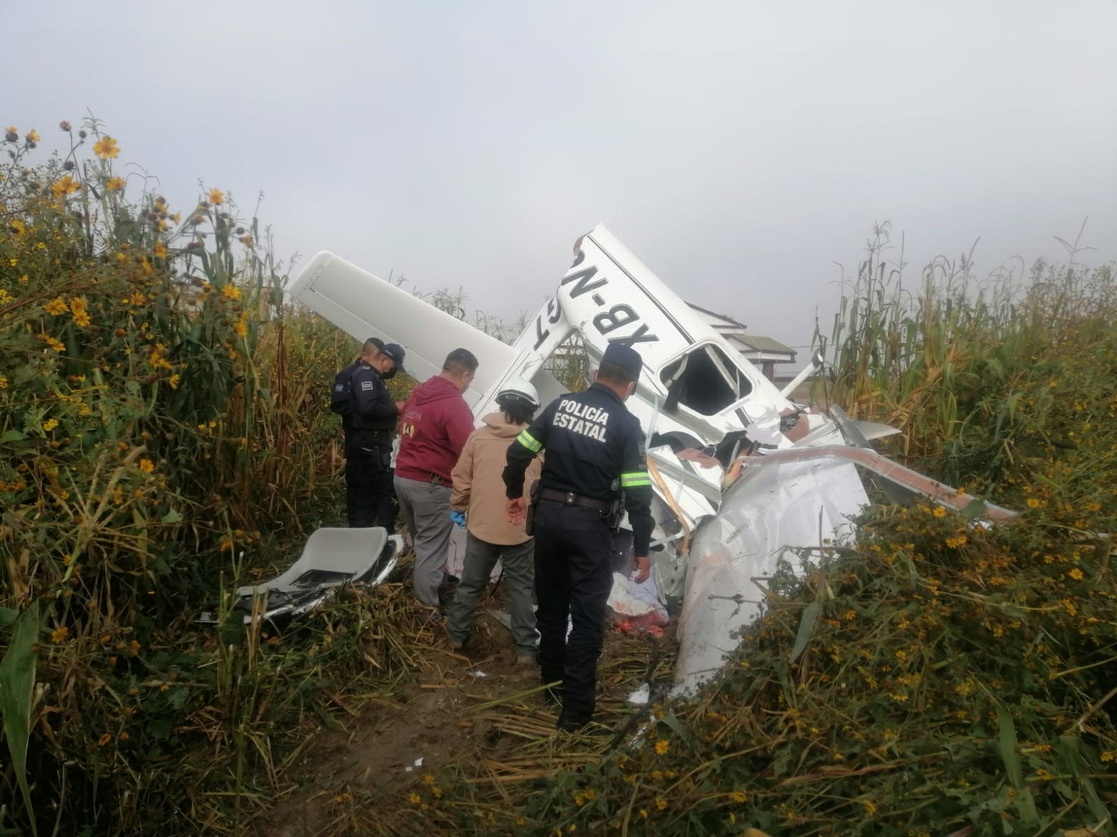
x: 517, y: 389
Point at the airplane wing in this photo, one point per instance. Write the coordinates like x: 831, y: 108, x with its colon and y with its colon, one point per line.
x: 364, y: 305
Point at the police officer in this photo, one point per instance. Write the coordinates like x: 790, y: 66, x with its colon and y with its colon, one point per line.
x: 595, y: 456
x: 369, y: 420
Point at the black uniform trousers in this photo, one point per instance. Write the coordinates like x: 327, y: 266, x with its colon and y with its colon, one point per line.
x: 573, y: 575
x: 370, y: 494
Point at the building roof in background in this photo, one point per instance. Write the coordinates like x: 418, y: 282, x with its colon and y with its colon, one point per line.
x: 737, y: 333
x: 764, y: 344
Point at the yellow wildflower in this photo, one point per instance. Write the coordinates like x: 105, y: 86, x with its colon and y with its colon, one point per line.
x: 56, y: 306
x: 246, y: 240
x: 32, y: 136
x: 50, y: 424
x: 114, y: 184
x: 147, y: 466
x: 59, y: 635
x: 1075, y: 573
x: 106, y: 148
x: 216, y: 197
x: 939, y: 511
x: 65, y: 185
x: 230, y: 292
x: 414, y: 798
x: 173, y: 380
x: 157, y: 359
x: 4, y: 296
x: 660, y: 803
x: 17, y: 226
x: 104, y: 739
x: 3, y: 382
x: 160, y: 250
x: 1033, y: 503
x: 78, y: 308
x: 662, y: 746
x: 52, y: 342
x: 241, y: 325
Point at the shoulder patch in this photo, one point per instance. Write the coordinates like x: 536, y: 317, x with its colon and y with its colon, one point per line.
x: 366, y: 386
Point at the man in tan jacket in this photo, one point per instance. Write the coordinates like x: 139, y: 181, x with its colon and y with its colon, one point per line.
x: 478, y: 501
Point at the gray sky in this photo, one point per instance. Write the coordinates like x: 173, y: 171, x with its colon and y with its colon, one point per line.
x: 738, y: 148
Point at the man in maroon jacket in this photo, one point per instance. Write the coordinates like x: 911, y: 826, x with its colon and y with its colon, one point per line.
x: 434, y: 425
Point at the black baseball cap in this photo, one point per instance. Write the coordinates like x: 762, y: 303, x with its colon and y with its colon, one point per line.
x: 396, y: 353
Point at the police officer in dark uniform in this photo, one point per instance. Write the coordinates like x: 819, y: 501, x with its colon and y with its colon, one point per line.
x: 369, y: 417
x: 595, y: 456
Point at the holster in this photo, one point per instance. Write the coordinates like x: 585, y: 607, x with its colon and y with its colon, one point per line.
x: 533, y: 497
x: 615, y: 514
x: 378, y: 457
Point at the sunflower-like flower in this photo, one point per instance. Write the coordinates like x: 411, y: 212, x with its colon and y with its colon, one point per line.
x: 65, y: 185
x: 106, y: 148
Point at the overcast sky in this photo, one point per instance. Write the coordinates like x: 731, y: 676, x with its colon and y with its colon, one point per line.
x: 739, y: 148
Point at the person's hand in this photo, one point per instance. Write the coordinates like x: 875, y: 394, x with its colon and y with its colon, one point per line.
x: 643, y: 568
x: 516, y: 511
x: 458, y: 517
x: 400, y: 405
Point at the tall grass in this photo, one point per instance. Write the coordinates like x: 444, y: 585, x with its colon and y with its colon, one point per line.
x: 979, y: 374
x: 162, y: 436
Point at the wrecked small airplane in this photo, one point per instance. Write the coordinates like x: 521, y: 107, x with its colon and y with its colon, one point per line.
x: 744, y: 478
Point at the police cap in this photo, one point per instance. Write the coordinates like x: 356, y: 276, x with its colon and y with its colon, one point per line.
x: 626, y: 357
x: 395, y: 352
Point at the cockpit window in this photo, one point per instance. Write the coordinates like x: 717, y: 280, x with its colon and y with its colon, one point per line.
x: 705, y: 380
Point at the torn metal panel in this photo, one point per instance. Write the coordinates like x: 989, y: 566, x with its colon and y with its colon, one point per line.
x: 780, y: 505
x: 774, y: 508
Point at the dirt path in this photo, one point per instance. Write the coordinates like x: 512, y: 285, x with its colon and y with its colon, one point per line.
x: 476, y: 712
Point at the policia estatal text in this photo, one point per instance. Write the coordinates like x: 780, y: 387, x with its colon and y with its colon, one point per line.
x: 595, y: 456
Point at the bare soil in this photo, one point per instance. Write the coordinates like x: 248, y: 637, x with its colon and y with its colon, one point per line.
x: 477, y: 712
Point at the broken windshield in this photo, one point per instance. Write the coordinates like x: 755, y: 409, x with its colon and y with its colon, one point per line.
x: 705, y: 380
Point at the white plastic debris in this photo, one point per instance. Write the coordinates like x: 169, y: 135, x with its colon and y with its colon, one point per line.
x: 640, y: 697
x: 415, y: 765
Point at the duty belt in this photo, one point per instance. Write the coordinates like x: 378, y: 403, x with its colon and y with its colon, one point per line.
x: 569, y: 498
